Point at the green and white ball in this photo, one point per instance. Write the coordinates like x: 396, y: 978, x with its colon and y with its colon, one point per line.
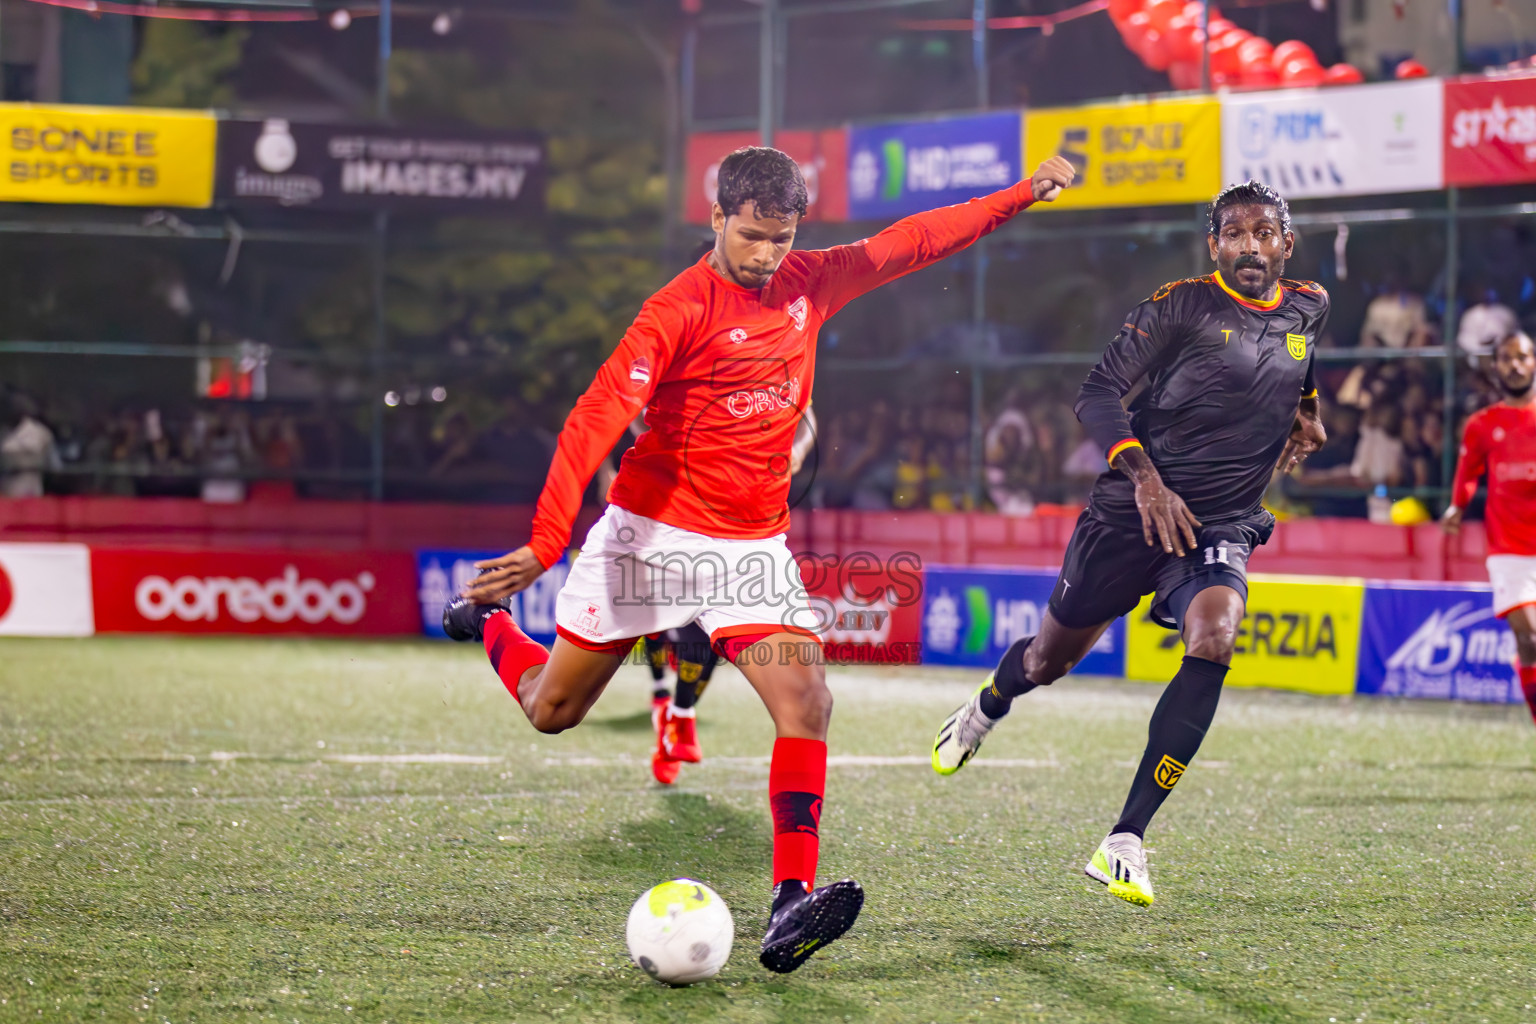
x: 680, y: 932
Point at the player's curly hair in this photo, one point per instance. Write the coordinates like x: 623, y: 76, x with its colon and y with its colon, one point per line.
x: 767, y: 178
x: 1244, y: 193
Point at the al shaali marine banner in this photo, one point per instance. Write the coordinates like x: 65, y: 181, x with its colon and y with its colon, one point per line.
x: 117, y: 156
x: 1336, y: 142
x: 1131, y: 154
x: 352, y: 167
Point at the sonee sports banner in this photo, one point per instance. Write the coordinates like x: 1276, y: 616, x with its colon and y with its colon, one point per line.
x: 353, y: 167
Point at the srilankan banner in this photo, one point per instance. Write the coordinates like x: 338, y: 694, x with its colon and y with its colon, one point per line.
x: 1131, y: 154
x: 441, y: 574
x: 822, y: 156
x: 183, y: 591
x: 1300, y: 633
x: 898, y: 169
x: 972, y: 616
x: 113, y: 156
x: 1335, y: 142
x: 360, y: 167
x: 1436, y: 640
x: 1490, y: 130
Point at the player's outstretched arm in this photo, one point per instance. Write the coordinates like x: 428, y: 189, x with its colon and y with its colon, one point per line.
x: 848, y: 271
x: 1162, y: 512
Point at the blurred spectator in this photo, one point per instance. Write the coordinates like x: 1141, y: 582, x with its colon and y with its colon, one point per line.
x: 1082, y: 467
x: 911, y: 484
x: 1011, y: 467
x: 1485, y: 324
x: 1378, y: 461
x: 1395, y: 318
x: 27, y: 449
x: 280, y: 453
x: 225, y: 452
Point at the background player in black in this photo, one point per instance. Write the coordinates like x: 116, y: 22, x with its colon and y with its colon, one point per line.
x: 1226, y: 361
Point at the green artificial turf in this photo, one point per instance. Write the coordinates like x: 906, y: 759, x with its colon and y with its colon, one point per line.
x: 217, y: 830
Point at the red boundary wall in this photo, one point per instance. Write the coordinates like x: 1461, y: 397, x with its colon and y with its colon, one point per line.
x: 1333, y: 547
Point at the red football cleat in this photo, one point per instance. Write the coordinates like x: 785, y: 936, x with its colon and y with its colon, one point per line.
x: 663, y: 769
x: 680, y: 738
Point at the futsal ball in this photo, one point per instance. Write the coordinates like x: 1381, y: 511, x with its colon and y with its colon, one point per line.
x: 680, y: 932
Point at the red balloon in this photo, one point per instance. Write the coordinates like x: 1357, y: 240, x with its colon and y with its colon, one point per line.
x: 1411, y: 69
x: 1119, y: 10
x: 1219, y: 27
x: 1254, y: 50
x: 1288, y: 49
x: 1299, y: 71
x: 1133, y: 26
x: 1195, y: 10
x: 1224, y: 56
x: 1259, y: 75
x: 1185, y: 41
x: 1184, y: 75
x: 1343, y: 74
x: 1154, y: 50
x: 1162, y: 12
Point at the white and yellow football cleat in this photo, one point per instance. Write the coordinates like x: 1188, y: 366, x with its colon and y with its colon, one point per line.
x: 1121, y: 863
x: 960, y: 736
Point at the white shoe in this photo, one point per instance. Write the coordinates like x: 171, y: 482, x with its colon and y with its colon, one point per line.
x: 1121, y: 863
x: 960, y: 736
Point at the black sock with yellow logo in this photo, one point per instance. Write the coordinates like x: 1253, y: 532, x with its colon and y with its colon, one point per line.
x: 1008, y: 682
x: 1174, y: 734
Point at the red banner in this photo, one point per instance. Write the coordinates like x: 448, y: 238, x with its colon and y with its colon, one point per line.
x: 822, y: 156
x: 1490, y: 130
x: 165, y: 591
x: 872, y: 607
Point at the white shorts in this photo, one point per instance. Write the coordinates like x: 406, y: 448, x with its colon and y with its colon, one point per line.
x: 636, y: 576
x: 1514, y: 582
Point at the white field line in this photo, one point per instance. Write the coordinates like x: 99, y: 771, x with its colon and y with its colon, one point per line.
x: 835, y: 761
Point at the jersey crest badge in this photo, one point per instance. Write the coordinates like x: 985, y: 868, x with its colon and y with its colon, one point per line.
x: 738, y: 335
x: 798, y: 310
x: 1296, y: 345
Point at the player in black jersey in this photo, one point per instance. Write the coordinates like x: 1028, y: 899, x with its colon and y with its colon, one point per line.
x: 1229, y: 396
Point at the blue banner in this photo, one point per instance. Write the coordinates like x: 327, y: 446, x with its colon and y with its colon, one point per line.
x: 1440, y: 641
x: 441, y: 574
x: 897, y: 169
x: 972, y: 616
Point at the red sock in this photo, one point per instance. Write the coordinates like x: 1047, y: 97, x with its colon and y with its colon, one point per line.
x: 797, y: 779
x: 512, y: 651
x: 1528, y: 687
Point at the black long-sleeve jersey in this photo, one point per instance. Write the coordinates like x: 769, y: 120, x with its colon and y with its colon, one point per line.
x: 1224, y: 374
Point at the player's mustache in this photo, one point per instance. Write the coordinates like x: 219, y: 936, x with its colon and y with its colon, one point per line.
x: 1249, y: 263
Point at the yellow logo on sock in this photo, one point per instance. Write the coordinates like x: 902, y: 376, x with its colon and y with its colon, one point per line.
x: 1168, y: 772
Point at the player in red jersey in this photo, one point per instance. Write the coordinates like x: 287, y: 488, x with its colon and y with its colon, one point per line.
x: 1501, y: 441
x: 722, y: 360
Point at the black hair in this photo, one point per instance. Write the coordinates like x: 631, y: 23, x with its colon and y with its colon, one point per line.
x: 1245, y: 193
x: 767, y: 178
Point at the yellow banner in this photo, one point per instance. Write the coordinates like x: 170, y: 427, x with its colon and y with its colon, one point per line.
x: 1300, y: 633
x: 1131, y: 154
x: 119, y: 156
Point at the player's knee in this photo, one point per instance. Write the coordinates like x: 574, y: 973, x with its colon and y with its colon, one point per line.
x: 550, y: 718
x: 1213, y: 640
x: 811, y: 705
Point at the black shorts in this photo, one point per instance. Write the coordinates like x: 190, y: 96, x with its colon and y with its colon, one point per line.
x: 1109, y: 568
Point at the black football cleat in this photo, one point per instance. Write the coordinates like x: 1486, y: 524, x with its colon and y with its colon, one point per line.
x: 463, y: 620
x: 802, y: 927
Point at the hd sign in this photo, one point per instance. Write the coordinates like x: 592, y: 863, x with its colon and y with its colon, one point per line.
x: 898, y: 169
x: 351, y: 167
x: 1336, y: 142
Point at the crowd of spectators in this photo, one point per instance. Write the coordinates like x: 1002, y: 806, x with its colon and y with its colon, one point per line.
x: 912, y: 447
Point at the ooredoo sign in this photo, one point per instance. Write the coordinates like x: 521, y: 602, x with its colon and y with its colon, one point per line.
x: 362, y: 593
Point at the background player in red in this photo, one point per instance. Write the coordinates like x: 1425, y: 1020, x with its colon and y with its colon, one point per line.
x: 722, y: 359
x: 1501, y: 441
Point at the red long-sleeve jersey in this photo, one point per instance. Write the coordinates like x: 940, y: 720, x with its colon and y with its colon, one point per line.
x: 1501, y: 440
x: 723, y: 373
